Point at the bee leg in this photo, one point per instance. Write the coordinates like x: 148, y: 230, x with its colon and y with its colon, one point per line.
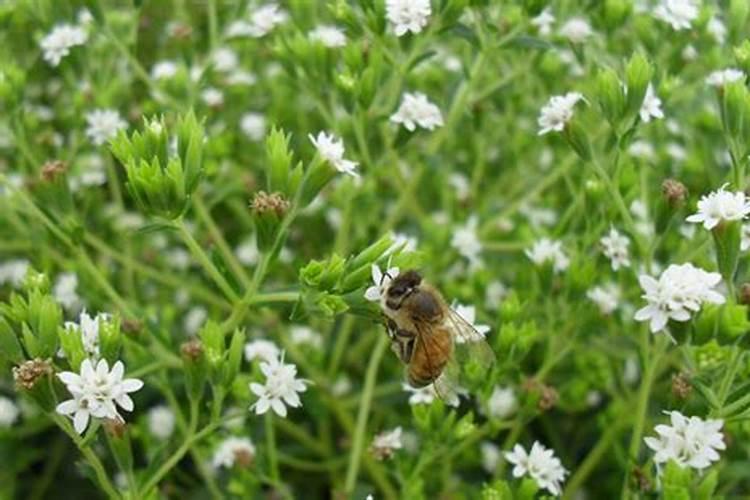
x: 403, y: 349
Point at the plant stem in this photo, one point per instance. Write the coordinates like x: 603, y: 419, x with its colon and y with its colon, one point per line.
x: 364, y: 411
x: 273, y: 462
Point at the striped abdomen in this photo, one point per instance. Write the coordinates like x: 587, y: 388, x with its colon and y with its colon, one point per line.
x: 432, y: 350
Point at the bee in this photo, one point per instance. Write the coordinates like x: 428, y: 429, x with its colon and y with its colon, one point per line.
x: 426, y: 334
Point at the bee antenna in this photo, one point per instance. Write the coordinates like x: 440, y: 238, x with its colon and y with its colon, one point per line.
x: 383, y: 277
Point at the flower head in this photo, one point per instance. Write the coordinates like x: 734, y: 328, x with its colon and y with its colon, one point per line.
x: 407, y: 15
x: 331, y: 149
x: 262, y: 349
x: 557, y: 112
x: 576, y: 29
x: 60, y: 40
x: 468, y: 313
x: 540, y: 464
x: 103, y: 125
x: 719, y: 206
x: 725, y: 76
x: 281, y: 387
x: 466, y: 241
x: 8, y: 412
x: 615, y: 248
x: 161, y: 420
x: 13, y: 271
x: 502, y: 402
x: 605, y: 297
x: 96, y: 391
x: 234, y: 450
x: 417, y: 111
x: 680, y: 291
x: 330, y: 36
x: 544, y: 21
x: 678, y: 13
x: 386, y: 443
x: 88, y: 328
x: 688, y: 441
x: 546, y: 250
x: 651, y: 106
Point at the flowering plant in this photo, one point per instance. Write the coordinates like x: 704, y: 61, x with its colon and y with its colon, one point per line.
x: 206, y: 210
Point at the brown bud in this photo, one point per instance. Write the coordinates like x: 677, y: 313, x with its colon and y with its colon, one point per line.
x: 243, y: 458
x: 674, y: 192
x: 681, y: 386
x: 132, y: 326
x: 192, y: 349
x: 641, y: 480
x: 181, y: 31
x: 264, y: 203
x: 53, y: 169
x: 548, y: 399
x: 745, y: 294
x: 29, y: 372
x: 115, y: 427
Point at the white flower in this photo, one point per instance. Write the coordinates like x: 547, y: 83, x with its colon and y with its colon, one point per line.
x: 13, y: 272
x: 233, y: 450
x: 407, y: 15
x: 416, y: 110
x: 651, y: 106
x: 262, y: 349
x: 103, y: 125
x: 253, y: 125
x: 576, y: 29
x: 494, y: 295
x: 689, y: 53
x: 330, y: 36
x: 341, y: 386
x: 719, y: 206
x: 725, y: 76
x: 164, y: 70
x: 544, y: 21
x: 224, y: 60
x: 281, y: 387
x: 241, y: 77
x: 546, y: 250
x: 615, y: 248
x: 679, y: 291
x: 88, y: 328
x: 212, y: 97
x: 194, y: 319
x: 8, y: 412
x: 247, y: 252
x: 491, y: 456
x: 605, y: 297
x: 540, y: 464
x: 678, y: 13
x: 161, y: 420
x: 557, y: 112
x: 468, y: 313
x: 717, y: 29
x: 642, y: 149
x: 384, y: 444
x: 60, y: 40
x: 262, y: 21
x: 331, y: 149
x: 95, y: 392
x: 466, y: 241
x: 304, y: 335
x: 461, y: 185
x: 538, y: 216
x: 502, y: 402
x: 689, y: 441
x: 178, y: 258
x: 380, y: 283
x: 64, y: 291
x: 404, y: 241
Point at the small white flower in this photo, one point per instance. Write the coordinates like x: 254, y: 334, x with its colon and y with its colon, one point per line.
x: 241, y: 77
x: 164, y: 70
x: 331, y: 149
x: 261, y: 349
x: 494, y: 295
x: 544, y: 22
x: 253, y: 125
x: 689, y: 441
x: 304, y: 335
x: 719, y: 206
x: 330, y: 36
x: 60, y: 40
x: 680, y: 291
x: 678, y: 13
x: 95, y: 392
x: 417, y: 111
x: 13, y: 272
x: 502, y: 402
x: 8, y: 412
x: 539, y: 216
x: 642, y: 149
x: 557, y: 112
x: 247, y: 252
x: 717, y: 29
x: 341, y: 386
x: 380, y: 283
x: 406, y: 242
x: 233, y: 450
x: 103, y: 125
x: 88, y: 328
x: 725, y: 76
x: 465, y: 240
x: 224, y: 60
x: 386, y: 443
x: 64, y: 291
x: 194, y: 320
x: 548, y: 251
x: 280, y: 390
x: 491, y: 456
x: 651, y: 107
x: 262, y: 22
x: 178, y: 258
x: 212, y: 97
x: 427, y: 394
x: 689, y: 53
x: 615, y: 248
x: 161, y: 420
x: 461, y: 185
x: 576, y: 29
x: 407, y: 15
x: 605, y: 297
x: 540, y: 464
x: 468, y: 313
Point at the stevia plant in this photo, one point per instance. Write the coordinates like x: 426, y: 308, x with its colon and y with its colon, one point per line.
x: 202, y: 205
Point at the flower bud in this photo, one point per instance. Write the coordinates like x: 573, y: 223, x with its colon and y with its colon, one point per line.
x: 744, y: 296
x: 119, y: 442
x: 269, y: 211
x: 616, y: 13
x: 681, y: 386
x: 33, y: 377
x: 577, y: 138
x: 674, y: 192
x: 727, y: 238
x: 638, y: 74
x: 610, y: 95
x: 735, y: 104
x: 196, y: 368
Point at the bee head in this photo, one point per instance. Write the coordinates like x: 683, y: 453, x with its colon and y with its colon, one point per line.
x: 401, y: 287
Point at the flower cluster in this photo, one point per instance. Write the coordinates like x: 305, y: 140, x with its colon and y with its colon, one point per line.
x: 540, y: 464
x: 281, y: 387
x: 721, y: 205
x: 688, y: 441
x: 331, y: 149
x: 557, y: 112
x: 416, y: 110
x: 547, y: 251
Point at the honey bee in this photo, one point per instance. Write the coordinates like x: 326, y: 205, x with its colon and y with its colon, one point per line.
x: 426, y: 334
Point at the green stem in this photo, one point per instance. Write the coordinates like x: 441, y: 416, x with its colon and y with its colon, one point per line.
x: 273, y: 461
x: 205, y: 262
x: 364, y: 411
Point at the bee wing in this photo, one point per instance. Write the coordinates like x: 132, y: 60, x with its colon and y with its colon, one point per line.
x: 469, y: 344
x: 446, y: 386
